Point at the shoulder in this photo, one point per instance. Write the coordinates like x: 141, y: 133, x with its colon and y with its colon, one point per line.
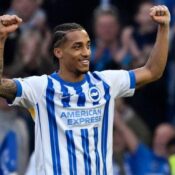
x: 33, y: 78
x: 34, y: 82
x: 111, y: 74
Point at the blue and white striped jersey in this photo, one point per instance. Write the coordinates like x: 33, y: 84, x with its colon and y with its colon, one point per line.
x: 74, y: 121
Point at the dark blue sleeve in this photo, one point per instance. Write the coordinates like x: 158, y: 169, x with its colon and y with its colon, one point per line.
x: 139, y: 160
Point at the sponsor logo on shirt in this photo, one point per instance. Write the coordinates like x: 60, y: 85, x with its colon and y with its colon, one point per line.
x: 82, y: 117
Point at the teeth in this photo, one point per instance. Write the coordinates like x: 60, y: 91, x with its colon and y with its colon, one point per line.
x: 85, y: 61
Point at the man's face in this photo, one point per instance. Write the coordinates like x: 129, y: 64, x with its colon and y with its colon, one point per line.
x: 75, y: 52
x: 161, y: 137
x: 24, y: 8
x: 142, y: 17
x: 106, y: 28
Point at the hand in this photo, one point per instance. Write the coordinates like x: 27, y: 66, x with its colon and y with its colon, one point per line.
x: 126, y: 36
x: 8, y: 24
x: 160, y: 14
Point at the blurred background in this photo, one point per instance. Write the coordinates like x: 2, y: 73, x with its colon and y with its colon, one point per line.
x: 122, y: 35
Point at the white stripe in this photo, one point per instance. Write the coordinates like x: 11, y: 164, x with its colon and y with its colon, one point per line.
x: 79, y: 151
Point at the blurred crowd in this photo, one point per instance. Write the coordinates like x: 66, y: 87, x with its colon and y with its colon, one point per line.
x: 123, y: 36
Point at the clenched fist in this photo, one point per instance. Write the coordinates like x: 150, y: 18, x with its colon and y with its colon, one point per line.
x: 160, y: 14
x: 8, y: 24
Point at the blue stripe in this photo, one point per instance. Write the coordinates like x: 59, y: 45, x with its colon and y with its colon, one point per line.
x: 53, y: 128
x: 38, y: 110
x: 96, y: 151
x: 105, y: 123
x: 65, y: 99
x: 37, y: 106
x: 132, y: 79
x: 81, y: 96
x: 71, y: 153
x: 39, y: 118
x: 19, y: 88
x: 90, y: 86
x: 85, y: 144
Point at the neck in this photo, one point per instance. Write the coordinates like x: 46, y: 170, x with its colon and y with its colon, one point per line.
x: 146, y: 29
x: 107, y: 43
x: 70, y: 76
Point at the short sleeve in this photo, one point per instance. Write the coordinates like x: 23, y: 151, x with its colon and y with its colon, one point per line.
x: 122, y: 82
x: 29, y: 90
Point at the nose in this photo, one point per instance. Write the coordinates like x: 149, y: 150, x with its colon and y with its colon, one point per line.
x: 86, y: 52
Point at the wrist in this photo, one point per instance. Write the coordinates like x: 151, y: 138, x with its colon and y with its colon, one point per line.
x: 164, y: 28
x: 164, y: 25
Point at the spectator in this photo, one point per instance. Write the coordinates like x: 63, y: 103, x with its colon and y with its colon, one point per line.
x: 142, y: 36
x: 30, y: 12
x: 141, y: 159
x: 107, y: 45
x: 14, y: 141
x: 33, y: 17
x: 30, y: 53
x: 119, y: 147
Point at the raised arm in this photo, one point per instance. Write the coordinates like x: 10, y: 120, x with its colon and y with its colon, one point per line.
x: 8, y: 24
x: 128, y: 135
x: 155, y: 65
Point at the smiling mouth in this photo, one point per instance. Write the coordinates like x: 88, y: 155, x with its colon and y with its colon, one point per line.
x: 85, y: 61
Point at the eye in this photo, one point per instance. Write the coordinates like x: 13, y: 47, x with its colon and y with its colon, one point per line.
x: 77, y: 46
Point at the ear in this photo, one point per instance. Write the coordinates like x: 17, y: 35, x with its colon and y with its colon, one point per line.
x: 58, y: 52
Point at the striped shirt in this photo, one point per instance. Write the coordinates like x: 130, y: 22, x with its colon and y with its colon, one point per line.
x: 74, y: 121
